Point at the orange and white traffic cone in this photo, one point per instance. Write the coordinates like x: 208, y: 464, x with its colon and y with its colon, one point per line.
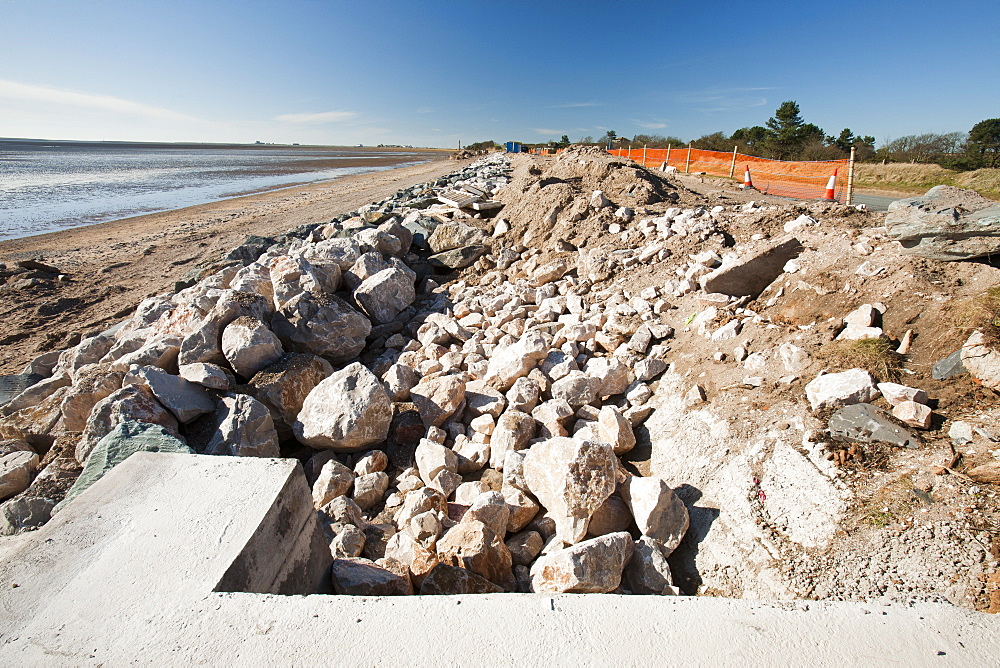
x: 831, y: 186
x: 747, y: 183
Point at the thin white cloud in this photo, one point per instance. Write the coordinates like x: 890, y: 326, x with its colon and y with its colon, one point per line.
x: 425, y: 110
x: 21, y: 92
x: 650, y: 125
x: 321, y: 117
x: 547, y: 131
x: 725, y: 99
x: 574, y: 105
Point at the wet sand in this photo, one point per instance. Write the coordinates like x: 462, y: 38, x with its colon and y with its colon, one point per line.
x: 113, y: 266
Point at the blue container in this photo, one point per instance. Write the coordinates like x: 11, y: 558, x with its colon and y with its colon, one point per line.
x: 513, y: 147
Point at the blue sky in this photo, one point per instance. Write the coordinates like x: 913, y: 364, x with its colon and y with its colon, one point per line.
x: 433, y: 73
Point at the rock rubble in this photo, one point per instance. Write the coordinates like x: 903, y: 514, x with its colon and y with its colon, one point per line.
x: 473, y: 386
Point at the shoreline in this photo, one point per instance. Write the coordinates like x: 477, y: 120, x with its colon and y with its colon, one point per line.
x: 113, y: 265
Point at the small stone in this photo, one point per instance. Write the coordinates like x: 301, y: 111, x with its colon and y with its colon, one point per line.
x: 614, y: 429
x: 474, y: 546
x: 523, y: 395
x: 372, y: 461
x: 949, y: 367
x: 349, y: 542
x: 249, y: 346
x: 914, y: 414
x: 242, y: 427
x: 490, y: 509
x: 658, y: 512
x: 981, y: 360
x: 611, y: 516
x: 399, y: 380
x: 369, y: 489
x: 577, y: 389
x: 384, y: 296
x: 432, y: 458
x: 866, y: 423
x: 513, y: 431
x: 205, y: 374
x: 524, y: 547
x: 334, y: 480
x: 184, y: 399
x: 896, y: 394
x: 648, y: 369
x: 446, y: 580
x: 16, y: 472
x: 438, y: 398
x: 648, y: 572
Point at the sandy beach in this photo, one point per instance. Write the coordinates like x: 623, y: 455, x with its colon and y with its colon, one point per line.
x: 112, y: 266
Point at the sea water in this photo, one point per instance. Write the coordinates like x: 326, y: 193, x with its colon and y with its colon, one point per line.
x: 48, y: 186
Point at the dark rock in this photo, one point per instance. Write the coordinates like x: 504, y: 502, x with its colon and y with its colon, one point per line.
x: 250, y: 249
x: 949, y: 367
x: 24, y: 512
x: 11, y: 386
x: 361, y: 577
x: 445, y: 579
x: 865, y: 423
x: 35, y: 265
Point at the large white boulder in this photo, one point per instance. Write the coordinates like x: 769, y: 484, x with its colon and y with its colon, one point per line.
x: 571, y: 479
x: 658, y: 512
x: 592, y: 567
x: 249, y: 346
x: 243, y: 428
x: 383, y: 296
x: 831, y: 390
x: 346, y: 412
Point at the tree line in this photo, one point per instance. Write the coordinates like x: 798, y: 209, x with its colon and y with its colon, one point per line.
x: 786, y: 136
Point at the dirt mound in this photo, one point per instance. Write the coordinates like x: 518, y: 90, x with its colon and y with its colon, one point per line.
x: 554, y: 198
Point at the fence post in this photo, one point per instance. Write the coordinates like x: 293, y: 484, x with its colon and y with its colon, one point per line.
x: 668, y: 155
x: 643, y: 155
x: 850, y: 178
x: 687, y: 166
x: 732, y: 166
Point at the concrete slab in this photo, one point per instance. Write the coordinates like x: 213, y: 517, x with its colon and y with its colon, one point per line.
x: 135, y: 571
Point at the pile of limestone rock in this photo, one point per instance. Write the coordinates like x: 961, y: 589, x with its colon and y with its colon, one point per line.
x: 457, y: 440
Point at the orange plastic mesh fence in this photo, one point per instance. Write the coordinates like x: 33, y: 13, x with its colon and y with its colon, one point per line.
x: 803, y: 180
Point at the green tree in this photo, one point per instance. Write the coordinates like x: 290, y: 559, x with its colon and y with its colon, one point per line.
x: 717, y: 141
x: 846, y: 140
x: 787, y: 130
x: 564, y: 141
x: 984, y: 141
x: 752, y: 138
x: 658, y: 141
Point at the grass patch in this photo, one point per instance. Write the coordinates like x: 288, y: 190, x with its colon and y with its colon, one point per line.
x: 918, y: 178
x: 891, y: 503
x: 876, y: 356
x: 981, y: 312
